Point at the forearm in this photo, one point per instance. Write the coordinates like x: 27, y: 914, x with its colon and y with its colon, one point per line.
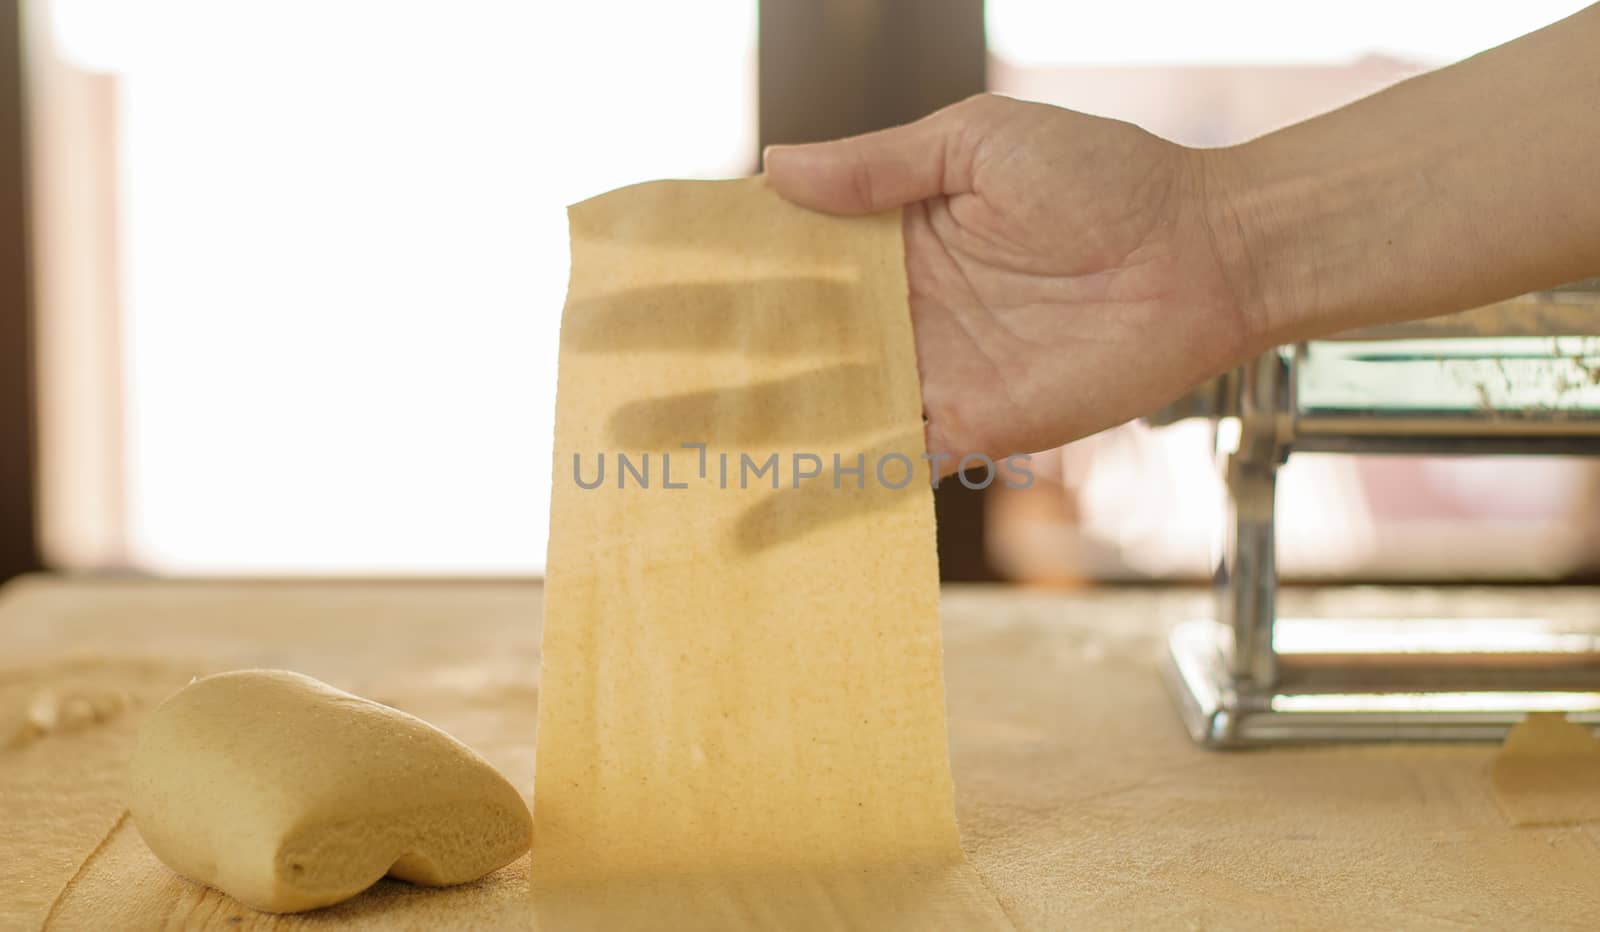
x: 1454, y: 189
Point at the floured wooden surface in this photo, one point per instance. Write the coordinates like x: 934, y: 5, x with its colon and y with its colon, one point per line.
x: 67, y: 726
x: 1082, y: 803
x: 742, y: 692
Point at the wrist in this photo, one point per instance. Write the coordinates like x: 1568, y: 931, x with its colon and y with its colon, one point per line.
x: 1329, y: 230
x: 1231, y: 211
x: 1298, y: 236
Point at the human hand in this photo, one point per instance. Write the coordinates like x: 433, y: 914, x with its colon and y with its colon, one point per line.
x: 1067, y: 272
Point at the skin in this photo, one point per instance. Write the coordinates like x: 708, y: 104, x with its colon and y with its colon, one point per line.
x: 1070, y: 272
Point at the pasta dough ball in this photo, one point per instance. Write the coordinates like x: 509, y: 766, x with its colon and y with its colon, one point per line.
x: 288, y: 794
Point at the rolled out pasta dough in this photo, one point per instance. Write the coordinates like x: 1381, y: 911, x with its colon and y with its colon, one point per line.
x: 741, y: 714
x: 1548, y: 771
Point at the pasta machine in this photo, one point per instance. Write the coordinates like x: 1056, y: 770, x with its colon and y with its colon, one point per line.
x: 1519, y: 377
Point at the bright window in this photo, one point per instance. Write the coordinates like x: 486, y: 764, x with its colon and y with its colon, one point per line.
x: 343, y: 256
x: 1236, y: 33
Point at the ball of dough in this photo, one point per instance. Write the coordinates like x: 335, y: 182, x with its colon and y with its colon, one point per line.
x: 288, y: 794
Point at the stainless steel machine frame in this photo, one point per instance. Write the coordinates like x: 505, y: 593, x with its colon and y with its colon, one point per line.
x: 1522, y: 377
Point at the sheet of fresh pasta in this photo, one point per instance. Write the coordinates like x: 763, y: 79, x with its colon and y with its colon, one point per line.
x: 741, y: 715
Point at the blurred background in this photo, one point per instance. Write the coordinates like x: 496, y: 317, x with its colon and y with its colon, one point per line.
x: 280, y: 282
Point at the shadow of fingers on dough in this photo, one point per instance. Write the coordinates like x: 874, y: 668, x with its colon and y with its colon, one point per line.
x: 838, y: 494
x: 770, y: 317
x: 777, y: 411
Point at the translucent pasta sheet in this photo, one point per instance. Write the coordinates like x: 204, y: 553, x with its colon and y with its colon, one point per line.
x: 741, y: 713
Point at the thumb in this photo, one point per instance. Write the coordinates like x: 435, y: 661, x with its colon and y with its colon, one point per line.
x: 877, y: 171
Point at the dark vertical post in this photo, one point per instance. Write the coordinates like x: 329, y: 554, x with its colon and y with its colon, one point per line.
x: 839, y: 67
x: 19, y: 551
x: 833, y: 68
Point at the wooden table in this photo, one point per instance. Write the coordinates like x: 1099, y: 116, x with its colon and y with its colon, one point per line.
x: 1081, y: 801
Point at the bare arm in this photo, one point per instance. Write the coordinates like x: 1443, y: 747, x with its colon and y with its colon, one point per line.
x: 1454, y: 189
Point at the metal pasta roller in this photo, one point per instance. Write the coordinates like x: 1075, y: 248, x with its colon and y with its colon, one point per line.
x: 1519, y: 377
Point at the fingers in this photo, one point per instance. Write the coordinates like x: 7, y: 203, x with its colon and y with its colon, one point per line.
x: 877, y: 171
